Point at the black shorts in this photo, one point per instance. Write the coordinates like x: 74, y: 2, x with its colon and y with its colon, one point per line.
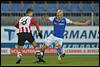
x: 22, y: 37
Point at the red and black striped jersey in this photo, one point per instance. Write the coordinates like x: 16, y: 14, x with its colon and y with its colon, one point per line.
x: 24, y: 24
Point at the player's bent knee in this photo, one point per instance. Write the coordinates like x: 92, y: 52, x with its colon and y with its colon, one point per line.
x: 20, y: 47
x: 44, y: 45
x: 58, y: 45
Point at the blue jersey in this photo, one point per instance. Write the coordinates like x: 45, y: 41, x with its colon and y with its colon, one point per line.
x: 59, y: 26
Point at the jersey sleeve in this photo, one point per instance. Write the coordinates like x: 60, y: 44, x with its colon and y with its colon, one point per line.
x: 33, y: 22
x: 17, y: 24
x: 51, y: 18
x: 68, y: 20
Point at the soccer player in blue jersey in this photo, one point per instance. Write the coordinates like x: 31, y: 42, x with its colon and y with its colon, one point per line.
x: 59, y: 24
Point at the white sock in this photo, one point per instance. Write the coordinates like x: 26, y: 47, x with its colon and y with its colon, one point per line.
x: 19, y: 54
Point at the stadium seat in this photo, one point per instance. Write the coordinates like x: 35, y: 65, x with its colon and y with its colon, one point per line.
x: 5, y: 8
x: 96, y: 8
x: 87, y: 8
x: 74, y: 8
x: 16, y: 8
x: 51, y: 8
x: 26, y: 6
x: 64, y: 7
x: 39, y: 8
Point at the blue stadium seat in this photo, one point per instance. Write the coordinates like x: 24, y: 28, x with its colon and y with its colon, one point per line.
x: 51, y: 8
x: 96, y: 8
x: 75, y: 8
x: 5, y: 8
x: 16, y: 8
x: 26, y: 6
x: 87, y: 8
x: 64, y: 7
x: 39, y: 8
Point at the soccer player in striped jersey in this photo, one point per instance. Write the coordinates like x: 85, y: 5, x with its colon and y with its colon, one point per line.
x: 59, y: 23
x: 25, y: 33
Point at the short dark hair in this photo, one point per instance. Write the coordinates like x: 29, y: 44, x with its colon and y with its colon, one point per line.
x: 29, y: 10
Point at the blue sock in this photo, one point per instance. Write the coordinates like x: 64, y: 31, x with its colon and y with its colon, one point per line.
x: 59, y: 51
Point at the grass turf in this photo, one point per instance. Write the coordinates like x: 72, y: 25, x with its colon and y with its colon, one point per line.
x: 68, y: 60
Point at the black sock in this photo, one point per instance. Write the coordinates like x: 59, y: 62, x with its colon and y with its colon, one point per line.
x: 41, y: 60
x: 18, y: 61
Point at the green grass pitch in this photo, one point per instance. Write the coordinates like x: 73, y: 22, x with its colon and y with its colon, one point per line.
x: 68, y: 60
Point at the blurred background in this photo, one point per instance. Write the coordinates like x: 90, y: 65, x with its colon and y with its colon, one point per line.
x: 74, y: 10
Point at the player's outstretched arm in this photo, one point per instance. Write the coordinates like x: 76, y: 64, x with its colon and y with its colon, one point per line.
x: 17, y: 24
x: 81, y: 24
x: 48, y: 18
